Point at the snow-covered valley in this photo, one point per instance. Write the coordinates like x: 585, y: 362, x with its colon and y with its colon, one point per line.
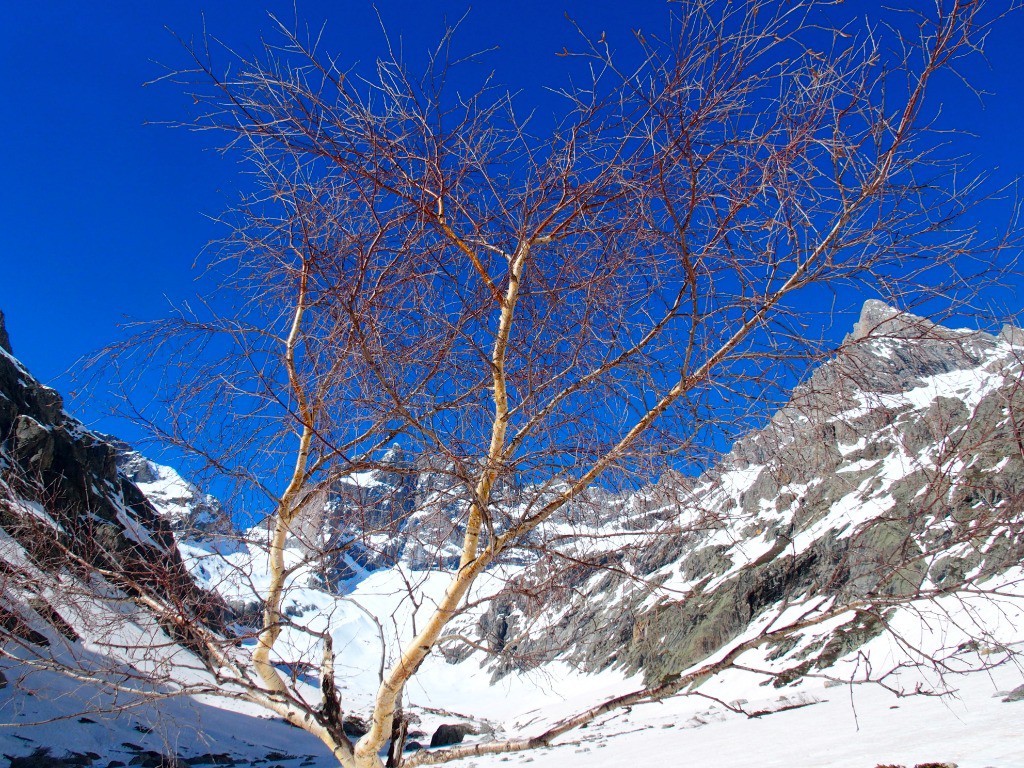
x: 804, y: 603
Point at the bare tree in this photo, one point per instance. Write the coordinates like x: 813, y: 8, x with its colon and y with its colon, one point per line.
x: 552, y: 311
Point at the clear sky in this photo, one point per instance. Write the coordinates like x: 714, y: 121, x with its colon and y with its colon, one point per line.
x: 103, y: 212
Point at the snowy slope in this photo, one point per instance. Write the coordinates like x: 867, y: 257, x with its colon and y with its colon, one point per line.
x: 874, y: 477
x: 827, y: 725
x: 895, y: 469
x: 905, y: 432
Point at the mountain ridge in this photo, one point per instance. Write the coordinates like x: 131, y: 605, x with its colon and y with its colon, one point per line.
x: 776, y: 494
x: 870, y: 488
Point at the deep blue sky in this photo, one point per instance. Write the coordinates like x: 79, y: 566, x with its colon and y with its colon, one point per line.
x: 103, y: 214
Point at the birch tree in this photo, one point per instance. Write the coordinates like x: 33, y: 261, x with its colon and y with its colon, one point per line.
x: 557, y: 307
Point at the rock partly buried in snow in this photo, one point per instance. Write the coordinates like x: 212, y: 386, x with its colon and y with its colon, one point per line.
x: 355, y: 726
x: 448, y: 734
x: 1017, y: 694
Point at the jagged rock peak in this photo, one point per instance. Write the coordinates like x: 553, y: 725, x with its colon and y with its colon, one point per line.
x: 394, y: 456
x: 5, y: 340
x: 1012, y: 335
x: 876, y: 311
x: 880, y: 319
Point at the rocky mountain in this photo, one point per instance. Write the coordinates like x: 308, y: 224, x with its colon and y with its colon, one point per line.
x: 91, y: 579
x: 64, y: 503
x: 895, y: 472
x: 896, y: 469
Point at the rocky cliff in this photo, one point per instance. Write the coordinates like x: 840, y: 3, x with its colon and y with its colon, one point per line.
x: 896, y: 470
x: 66, y: 511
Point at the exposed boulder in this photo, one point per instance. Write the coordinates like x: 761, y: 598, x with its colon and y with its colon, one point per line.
x: 32, y: 445
x: 1017, y: 694
x: 451, y: 733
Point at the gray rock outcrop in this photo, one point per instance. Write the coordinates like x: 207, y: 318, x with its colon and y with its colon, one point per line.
x: 870, y: 481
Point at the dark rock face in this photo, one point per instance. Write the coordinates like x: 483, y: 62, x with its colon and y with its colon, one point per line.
x: 399, y: 509
x: 366, y: 515
x: 33, y: 445
x: 5, y: 340
x: 99, y: 517
x: 448, y: 734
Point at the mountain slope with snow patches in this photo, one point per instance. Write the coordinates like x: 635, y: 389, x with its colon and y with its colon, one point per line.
x: 871, y: 531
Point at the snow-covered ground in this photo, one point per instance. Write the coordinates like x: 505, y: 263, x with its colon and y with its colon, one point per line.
x: 812, y: 723
x: 848, y: 727
x: 839, y: 725
x: 734, y: 720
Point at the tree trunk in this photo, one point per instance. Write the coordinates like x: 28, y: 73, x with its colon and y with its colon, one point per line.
x: 399, y: 729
